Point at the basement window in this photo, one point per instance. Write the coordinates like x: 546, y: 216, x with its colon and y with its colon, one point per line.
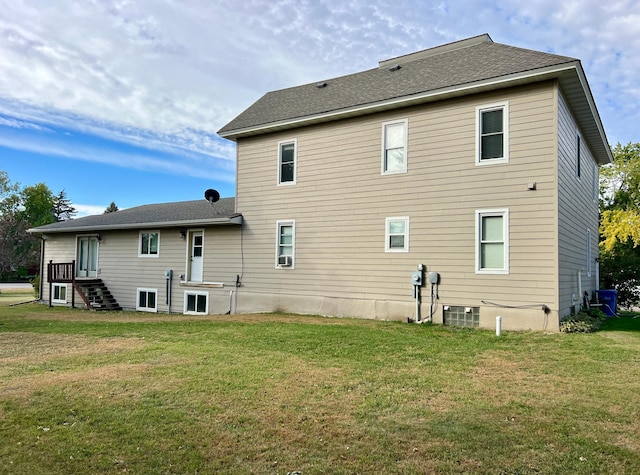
x: 196, y: 303
x: 59, y: 293
x: 461, y: 316
x: 147, y: 300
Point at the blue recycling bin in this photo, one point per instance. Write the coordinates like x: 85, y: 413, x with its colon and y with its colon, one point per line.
x: 609, y: 301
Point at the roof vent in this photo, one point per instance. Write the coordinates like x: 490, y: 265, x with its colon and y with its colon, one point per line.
x: 320, y: 85
x: 395, y: 68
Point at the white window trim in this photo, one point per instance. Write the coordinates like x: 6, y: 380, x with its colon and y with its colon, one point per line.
x: 505, y: 133
x: 405, y: 122
x: 151, y: 256
x: 504, y: 212
x: 387, y: 234
x: 295, y: 161
x: 589, y: 252
x: 292, y: 223
x: 53, y: 292
x: 191, y: 292
x: 146, y: 309
x: 595, y: 184
x: 578, y: 155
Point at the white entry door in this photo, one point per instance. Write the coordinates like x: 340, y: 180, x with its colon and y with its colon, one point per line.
x: 196, y: 251
x: 87, y: 259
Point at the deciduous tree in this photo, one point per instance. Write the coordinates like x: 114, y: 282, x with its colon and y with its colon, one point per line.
x: 620, y: 223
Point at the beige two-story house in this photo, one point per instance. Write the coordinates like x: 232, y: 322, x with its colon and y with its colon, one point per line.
x: 453, y: 185
x: 473, y: 165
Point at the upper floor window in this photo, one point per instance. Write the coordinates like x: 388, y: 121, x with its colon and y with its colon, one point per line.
x: 588, y: 252
x: 595, y: 184
x: 492, y: 241
x: 492, y: 136
x: 394, y: 148
x: 287, y: 162
x: 149, y: 244
x: 578, y: 159
x: 286, y: 241
x: 397, y: 234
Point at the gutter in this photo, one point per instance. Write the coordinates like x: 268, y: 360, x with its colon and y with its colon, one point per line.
x: 404, y: 101
x: 572, y: 69
x: 231, y: 220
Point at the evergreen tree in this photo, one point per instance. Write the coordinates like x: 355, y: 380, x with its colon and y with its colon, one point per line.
x: 63, y: 210
x: 111, y: 208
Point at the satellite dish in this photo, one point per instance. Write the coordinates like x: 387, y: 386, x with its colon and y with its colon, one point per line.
x: 211, y: 195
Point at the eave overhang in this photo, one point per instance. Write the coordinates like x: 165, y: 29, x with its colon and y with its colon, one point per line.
x: 570, y: 76
x: 229, y: 220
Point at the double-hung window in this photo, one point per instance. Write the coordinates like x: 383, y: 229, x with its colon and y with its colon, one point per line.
x: 595, y: 184
x: 492, y: 241
x: 394, y: 147
x: 578, y: 158
x: 589, y: 252
x: 397, y: 234
x: 492, y: 136
x: 147, y: 300
x: 149, y: 245
x: 287, y: 162
x: 285, y: 243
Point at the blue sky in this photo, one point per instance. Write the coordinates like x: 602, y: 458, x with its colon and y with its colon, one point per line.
x: 120, y: 100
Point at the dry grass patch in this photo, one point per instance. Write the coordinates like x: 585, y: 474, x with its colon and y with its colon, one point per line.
x: 29, y: 361
x: 24, y: 347
x: 116, y: 392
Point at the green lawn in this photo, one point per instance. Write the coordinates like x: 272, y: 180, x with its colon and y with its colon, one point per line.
x: 86, y: 392
x: 15, y: 296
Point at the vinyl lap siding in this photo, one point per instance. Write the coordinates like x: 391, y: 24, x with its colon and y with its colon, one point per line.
x: 123, y: 271
x: 341, y: 200
x: 59, y: 249
x: 577, y: 211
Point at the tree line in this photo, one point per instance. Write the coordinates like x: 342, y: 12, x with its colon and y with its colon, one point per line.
x: 620, y: 224
x: 22, y: 208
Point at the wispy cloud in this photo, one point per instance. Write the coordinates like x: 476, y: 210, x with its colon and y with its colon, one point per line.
x: 60, y: 146
x: 169, y: 74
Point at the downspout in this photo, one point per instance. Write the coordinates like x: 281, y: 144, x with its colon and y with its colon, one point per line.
x: 40, y: 284
x: 169, y: 277
x: 580, y: 284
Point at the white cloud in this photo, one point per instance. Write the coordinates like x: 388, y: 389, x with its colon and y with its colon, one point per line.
x: 88, y: 210
x: 169, y: 74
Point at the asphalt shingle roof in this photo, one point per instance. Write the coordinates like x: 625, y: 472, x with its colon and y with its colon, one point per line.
x: 457, y: 64
x: 181, y: 213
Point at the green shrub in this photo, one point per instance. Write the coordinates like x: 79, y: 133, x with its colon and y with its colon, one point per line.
x: 584, y: 322
x: 35, y: 282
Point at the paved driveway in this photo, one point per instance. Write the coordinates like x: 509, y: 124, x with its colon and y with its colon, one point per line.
x: 25, y: 285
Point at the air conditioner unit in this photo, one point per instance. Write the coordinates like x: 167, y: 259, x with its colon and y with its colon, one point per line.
x: 284, y: 261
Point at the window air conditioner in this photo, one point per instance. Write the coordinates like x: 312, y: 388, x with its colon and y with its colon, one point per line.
x: 284, y: 261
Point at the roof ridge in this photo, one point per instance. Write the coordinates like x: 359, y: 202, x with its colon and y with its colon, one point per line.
x: 425, y: 53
